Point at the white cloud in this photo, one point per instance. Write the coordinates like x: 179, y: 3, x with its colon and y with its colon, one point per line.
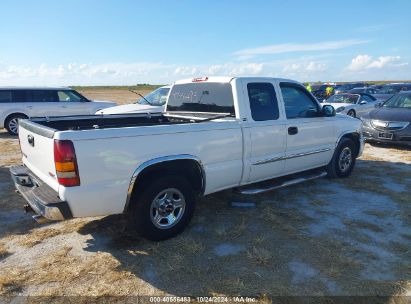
x: 297, y: 47
x: 118, y: 73
x: 312, y: 68
x: 364, y: 62
x: 305, y: 70
x: 373, y: 28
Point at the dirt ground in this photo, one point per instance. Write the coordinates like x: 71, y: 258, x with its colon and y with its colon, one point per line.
x: 325, y: 237
x: 121, y: 96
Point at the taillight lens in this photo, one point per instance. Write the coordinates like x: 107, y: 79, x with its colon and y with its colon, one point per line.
x: 66, y: 163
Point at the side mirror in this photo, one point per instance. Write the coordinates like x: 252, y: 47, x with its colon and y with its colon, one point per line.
x: 363, y: 102
x: 328, y: 111
x: 378, y: 105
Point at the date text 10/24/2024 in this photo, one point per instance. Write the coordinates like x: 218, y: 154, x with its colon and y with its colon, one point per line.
x: 220, y: 299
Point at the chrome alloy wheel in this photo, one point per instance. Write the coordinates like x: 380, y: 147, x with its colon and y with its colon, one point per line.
x: 14, y: 125
x: 345, y: 159
x: 167, y: 208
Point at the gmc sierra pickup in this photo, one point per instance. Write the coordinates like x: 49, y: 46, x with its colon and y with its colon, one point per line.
x: 251, y: 134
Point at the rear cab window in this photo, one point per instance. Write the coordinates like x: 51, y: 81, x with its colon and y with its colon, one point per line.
x: 263, y: 101
x: 201, y: 97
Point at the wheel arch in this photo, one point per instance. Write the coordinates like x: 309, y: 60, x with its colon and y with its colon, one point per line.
x: 355, y: 137
x: 20, y: 113
x: 352, y: 110
x: 186, y: 164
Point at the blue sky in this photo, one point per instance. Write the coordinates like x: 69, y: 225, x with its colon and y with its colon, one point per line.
x: 106, y: 42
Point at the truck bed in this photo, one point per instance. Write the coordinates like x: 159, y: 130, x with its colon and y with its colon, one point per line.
x: 89, y: 122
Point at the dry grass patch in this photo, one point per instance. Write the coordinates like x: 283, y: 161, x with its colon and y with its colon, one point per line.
x: 369, y: 157
x: 282, y: 221
x: 190, y: 246
x: 66, y: 274
x: 119, y: 95
x: 363, y: 225
x: 3, y: 251
x: 235, y: 232
x: 36, y: 236
x: 260, y: 256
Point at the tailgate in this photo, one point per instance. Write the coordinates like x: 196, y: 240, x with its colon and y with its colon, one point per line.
x: 37, y: 146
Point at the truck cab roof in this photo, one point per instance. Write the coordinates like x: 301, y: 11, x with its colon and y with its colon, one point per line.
x: 228, y: 79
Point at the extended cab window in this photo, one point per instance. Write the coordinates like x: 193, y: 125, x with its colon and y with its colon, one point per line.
x: 298, y: 103
x: 43, y: 96
x: 263, y: 101
x: 206, y: 97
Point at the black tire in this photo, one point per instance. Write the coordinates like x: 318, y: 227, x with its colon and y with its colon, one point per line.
x: 352, y: 113
x: 141, y: 213
x: 338, y: 166
x: 9, y: 124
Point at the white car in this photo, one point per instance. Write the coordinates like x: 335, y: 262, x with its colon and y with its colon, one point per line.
x: 217, y: 133
x: 354, y: 105
x: 19, y: 103
x: 151, y: 103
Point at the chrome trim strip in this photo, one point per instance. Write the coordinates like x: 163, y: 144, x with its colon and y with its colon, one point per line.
x: 275, y: 159
x: 155, y: 161
x: 269, y: 160
x: 308, y: 153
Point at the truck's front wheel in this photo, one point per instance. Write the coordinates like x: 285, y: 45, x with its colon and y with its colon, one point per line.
x: 163, y: 209
x: 343, y: 160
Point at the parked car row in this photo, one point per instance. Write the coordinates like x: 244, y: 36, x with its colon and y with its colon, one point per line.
x: 151, y: 103
x: 380, y: 92
x: 28, y: 102
x: 354, y: 105
x: 19, y: 103
x: 391, y: 122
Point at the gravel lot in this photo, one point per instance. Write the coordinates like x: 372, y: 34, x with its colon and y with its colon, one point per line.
x: 325, y: 237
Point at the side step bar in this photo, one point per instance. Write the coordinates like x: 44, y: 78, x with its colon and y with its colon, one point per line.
x: 276, y: 184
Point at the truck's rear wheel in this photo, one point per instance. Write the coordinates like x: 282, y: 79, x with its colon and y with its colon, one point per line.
x: 343, y: 160
x: 12, y: 123
x: 163, y: 209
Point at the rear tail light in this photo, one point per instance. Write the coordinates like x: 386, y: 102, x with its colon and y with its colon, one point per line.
x: 66, y: 163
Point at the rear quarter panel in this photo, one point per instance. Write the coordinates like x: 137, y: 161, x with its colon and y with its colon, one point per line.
x: 108, y: 158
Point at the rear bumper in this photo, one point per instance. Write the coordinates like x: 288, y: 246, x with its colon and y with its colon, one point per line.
x: 41, y: 198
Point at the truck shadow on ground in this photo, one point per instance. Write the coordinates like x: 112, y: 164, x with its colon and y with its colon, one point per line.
x: 5, y: 135
x: 13, y: 220
x: 324, y: 237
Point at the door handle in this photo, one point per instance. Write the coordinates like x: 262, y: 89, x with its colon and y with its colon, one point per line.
x: 292, y: 130
x: 29, y: 107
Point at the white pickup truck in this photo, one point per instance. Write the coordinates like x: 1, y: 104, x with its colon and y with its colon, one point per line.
x: 251, y: 134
